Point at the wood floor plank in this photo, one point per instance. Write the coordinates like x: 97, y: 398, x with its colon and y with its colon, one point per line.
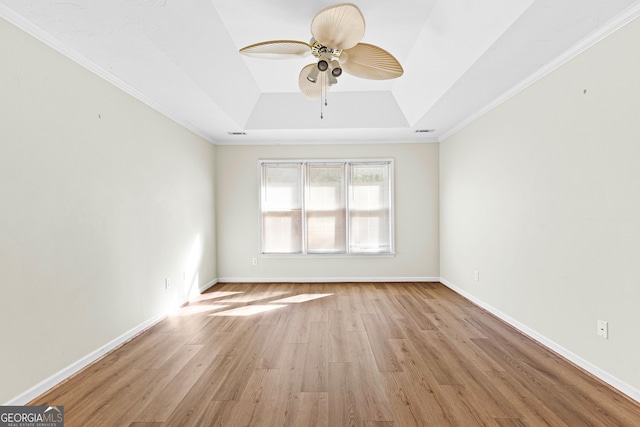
x: 314, y: 376
x: 343, y: 409
x: 573, y: 410
x: 416, y: 399
x: 216, y: 414
x: 599, y: 395
x: 139, y: 424
x: 364, y: 383
x: 364, y: 354
x: 88, y: 383
x: 353, y: 321
x: 413, y: 401
x: 312, y: 410
x: 385, y: 358
x: 533, y: 412
x: 154, y: 392
x: 257, y: 405
x: 216, y: 326
x: 460, y: 410
x: 262, y: 385
x: 338, y: 351
x: 91, y: 412
x: 169, y: 396
x: 417, y: 310
x: 437, y: 360
x: 291, y: 369
x: 388, y: 316
x: 123, y: 405
x: 233, y: 381
x: 195, y: 402
x: 298, y: 327
x: 272, y: 354
x: 511, y: 422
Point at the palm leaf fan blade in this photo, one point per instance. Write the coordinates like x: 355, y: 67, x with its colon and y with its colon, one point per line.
x: 368, y: 61
x: 277, y: 49
x: 338, y: 27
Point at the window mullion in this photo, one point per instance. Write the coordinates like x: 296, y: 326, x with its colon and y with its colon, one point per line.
x: 347, y: 194
x: 304, y: 195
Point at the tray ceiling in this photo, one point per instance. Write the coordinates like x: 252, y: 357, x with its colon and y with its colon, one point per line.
x: 181, y: 57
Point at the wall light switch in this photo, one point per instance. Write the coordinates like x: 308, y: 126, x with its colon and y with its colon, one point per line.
x: 476, y: 276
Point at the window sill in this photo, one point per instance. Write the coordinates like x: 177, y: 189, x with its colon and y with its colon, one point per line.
x: 325, y: 256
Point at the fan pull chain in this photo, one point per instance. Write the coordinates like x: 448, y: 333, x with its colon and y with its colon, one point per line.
x: 323, y: 94
x: 326, y: 89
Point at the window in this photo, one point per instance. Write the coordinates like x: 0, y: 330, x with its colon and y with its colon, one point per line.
x: 326, y: 207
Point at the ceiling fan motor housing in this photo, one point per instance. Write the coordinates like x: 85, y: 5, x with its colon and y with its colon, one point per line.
x: 319, y: 50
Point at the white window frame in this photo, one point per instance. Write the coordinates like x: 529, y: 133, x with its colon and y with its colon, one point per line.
x: 347, y: 180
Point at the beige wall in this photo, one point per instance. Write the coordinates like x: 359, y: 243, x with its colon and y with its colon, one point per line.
x: 101, y: 199
x: 542, y: 197
x: 416, y: 215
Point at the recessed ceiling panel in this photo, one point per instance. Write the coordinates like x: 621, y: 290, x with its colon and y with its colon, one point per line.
x: 343, y: 110
x: 539, y: 36
x: 456, y: 35
x: 181, y: 57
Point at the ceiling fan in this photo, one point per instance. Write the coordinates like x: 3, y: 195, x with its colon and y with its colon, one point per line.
x: 336, y: 31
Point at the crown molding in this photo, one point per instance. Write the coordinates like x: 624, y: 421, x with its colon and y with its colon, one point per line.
x: 601, y: 33
x: 48, y: 39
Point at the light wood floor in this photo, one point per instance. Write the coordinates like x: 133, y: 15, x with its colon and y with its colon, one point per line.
x: 400, y: 354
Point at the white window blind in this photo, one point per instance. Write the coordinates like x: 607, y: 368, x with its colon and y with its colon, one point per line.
x: 281, y: 208
x: 326, y: 207
x: 369, y: 208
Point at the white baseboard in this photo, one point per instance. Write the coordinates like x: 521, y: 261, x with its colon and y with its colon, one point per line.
x: 75, y: 367
x: 206, y: 286
x: 324, y: 279
x: 614, y: 382
x: 67, y: 372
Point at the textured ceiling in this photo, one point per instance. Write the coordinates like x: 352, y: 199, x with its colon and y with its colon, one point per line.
x: 181, y: 57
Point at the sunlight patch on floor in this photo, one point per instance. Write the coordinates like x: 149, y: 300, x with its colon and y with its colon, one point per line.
x: 301, y: 298
x: 213, y: 295
x: 196, y: 309
x: 249, y: 310
x: 256, y: 296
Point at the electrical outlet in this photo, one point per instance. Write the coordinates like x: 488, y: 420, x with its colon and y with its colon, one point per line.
x: 476, y: 276
x: 254, y: 261
x: 603, y: 329
x: 167, y: 283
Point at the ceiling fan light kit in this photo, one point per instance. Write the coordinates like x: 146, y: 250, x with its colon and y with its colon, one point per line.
x: 313, y: 74
x: 323, y: 65
x: 336, y: 31
x: 336, y: 70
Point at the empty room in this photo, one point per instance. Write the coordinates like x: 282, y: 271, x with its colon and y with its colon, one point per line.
x: 252, y: 213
